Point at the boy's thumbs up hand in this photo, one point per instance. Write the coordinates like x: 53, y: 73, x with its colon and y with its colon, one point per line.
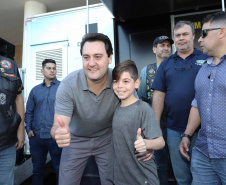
x: 62, y: 134
x: 140, y: 144
x: 139, y: 134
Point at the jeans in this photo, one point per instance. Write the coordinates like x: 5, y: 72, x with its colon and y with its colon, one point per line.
x: 207, y: 171
x: 181, y: 167
x: 39, y: 149
x: 7, y: 163
x: 161, y: 157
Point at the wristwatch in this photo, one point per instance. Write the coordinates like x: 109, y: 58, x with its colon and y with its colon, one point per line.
x: 185, y: 135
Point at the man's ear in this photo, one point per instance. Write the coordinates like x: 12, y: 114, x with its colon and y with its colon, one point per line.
x: 154, y: 50
x: 42, y: 71
x: 193, y: 36
x: 222, y: 32
x: 137, y: 83
x: 110, y: 59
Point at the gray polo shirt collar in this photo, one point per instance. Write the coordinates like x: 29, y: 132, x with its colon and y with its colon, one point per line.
x: 84, y: 82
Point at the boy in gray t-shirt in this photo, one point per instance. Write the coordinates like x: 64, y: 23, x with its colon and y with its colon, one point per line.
x: 134, y: 129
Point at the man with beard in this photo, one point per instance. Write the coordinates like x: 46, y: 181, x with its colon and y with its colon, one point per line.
x: 174, y: 90
x: 208, y: 164
x: 162, y: 49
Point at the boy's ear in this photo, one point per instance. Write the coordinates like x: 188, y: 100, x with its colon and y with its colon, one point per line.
x: 137, y: 83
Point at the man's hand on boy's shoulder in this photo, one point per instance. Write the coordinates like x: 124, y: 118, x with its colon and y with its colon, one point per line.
x: 140, y: 144
x: 142, y: 153
x: 144, y: 156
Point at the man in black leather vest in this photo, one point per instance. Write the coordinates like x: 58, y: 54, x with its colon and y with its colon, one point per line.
x: 11, y: 118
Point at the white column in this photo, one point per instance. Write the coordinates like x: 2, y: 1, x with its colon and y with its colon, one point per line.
x: 223, y: 5
x: 33, y: 8
x: 87, y: 14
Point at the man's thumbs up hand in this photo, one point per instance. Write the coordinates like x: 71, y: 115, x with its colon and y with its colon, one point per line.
x: 139, y: 144
x: 62, y: 134
x: 61, y: 123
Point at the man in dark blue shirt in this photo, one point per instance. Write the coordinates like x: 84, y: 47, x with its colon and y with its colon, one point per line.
x: 39, y: 119
x: 174, y: 88
x: 208, y: 164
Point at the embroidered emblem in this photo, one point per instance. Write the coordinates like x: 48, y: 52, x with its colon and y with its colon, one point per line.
x: 10, y: 111
x: 151, y: 70
x: 20, y: 88
x: 150, y: 78
x: 6, y: 64
x: 12, y: 75
x: 2, y: 99
x: 2, y: 69
x: 163, y: 37
x: 199, y: 62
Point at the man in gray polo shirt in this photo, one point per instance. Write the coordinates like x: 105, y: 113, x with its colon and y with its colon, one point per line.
x: 84, y: 108
x: 85, y: 103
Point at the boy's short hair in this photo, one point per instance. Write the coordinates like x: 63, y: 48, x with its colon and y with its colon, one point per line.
x: 126, y: 66
x: 47, y: 61
x: 92, y: 37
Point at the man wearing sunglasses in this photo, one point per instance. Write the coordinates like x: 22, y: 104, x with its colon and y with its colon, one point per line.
x: 174, y: 90
x: 208, y: 164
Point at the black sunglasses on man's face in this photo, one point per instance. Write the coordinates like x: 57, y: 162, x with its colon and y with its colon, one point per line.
x: 204, y: 32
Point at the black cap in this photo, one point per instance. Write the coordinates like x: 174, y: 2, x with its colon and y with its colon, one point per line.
x: 161, y: 39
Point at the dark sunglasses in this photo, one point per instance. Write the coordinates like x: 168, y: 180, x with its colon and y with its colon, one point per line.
x: 204, y: 32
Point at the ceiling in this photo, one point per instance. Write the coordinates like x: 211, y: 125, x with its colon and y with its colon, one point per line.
x: 128, y: 9
x: 12, y: 15
x: 12, y: 11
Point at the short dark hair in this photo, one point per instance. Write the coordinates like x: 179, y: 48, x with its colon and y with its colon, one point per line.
x: 91, y: 37
x: 182, y: 23
x: 126, y: 66
x: 218, y: 17
x: 47, y: 61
